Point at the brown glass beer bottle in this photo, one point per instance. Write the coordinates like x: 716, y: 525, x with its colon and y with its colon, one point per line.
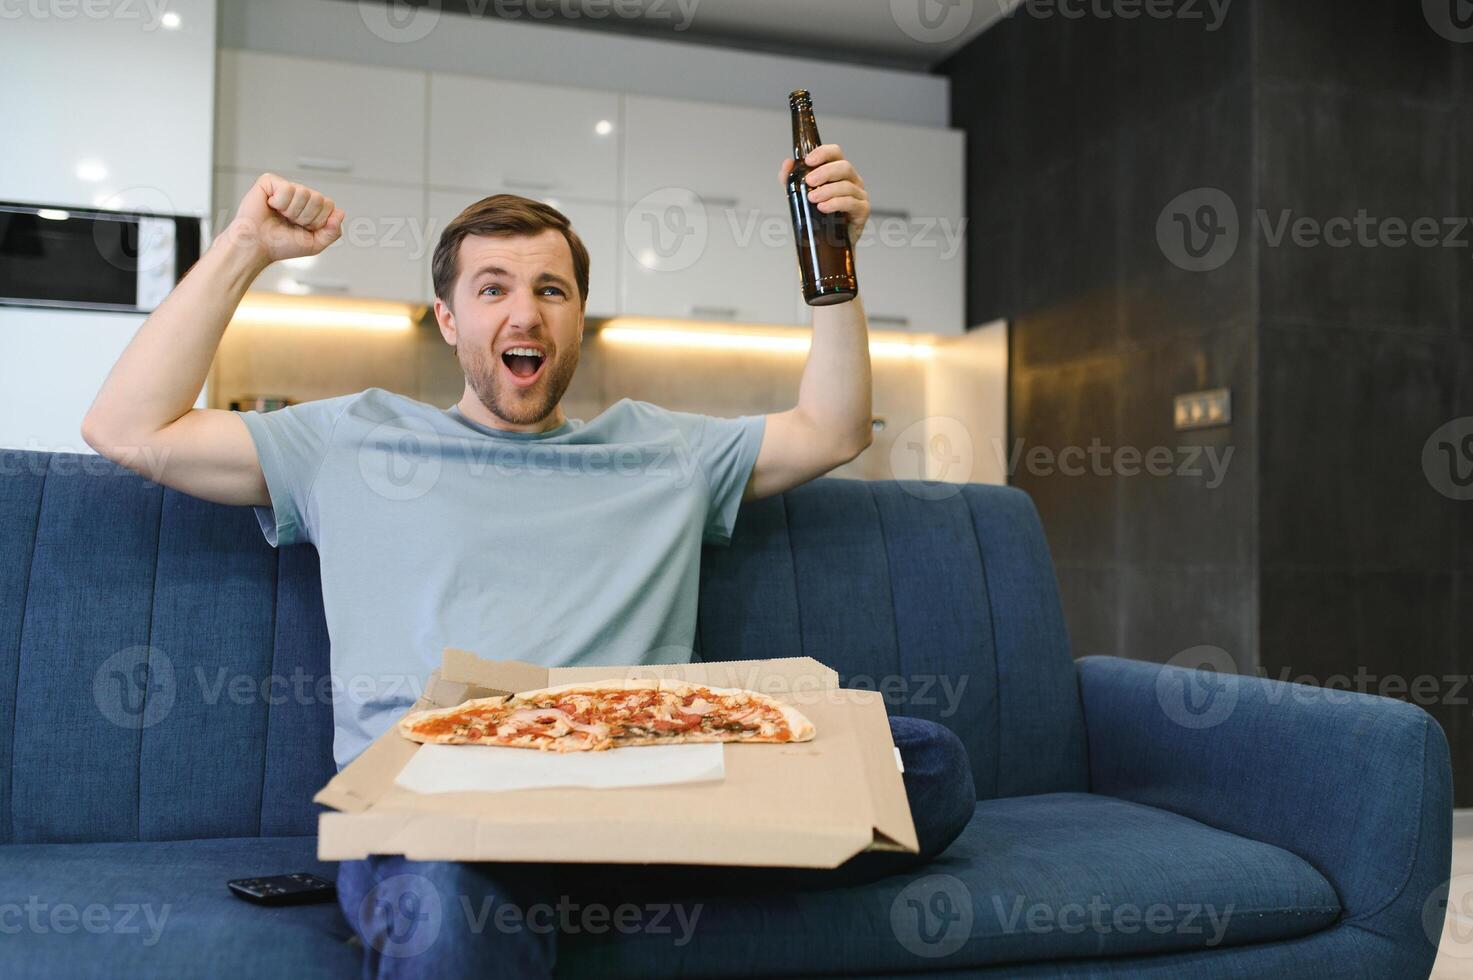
x: 825, y: 257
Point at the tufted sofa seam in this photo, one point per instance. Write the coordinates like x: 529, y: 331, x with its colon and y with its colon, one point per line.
x: 20, y: 637
x: 996, y: 651
x: 153, y: 598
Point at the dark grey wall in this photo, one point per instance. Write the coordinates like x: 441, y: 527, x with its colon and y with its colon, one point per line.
x: 1364, y: 352
x: 1326, y: 551
x: 1078, y: 134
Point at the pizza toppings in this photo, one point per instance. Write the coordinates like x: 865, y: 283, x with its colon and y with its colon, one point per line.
x: 551, y: 723
x: 601, y: 716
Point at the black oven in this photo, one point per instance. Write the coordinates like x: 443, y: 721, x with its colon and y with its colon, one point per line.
x: 86, y: 258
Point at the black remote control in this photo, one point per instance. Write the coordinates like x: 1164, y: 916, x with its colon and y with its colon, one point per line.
x: 294, y: 889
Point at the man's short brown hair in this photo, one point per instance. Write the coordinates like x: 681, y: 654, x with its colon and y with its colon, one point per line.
x: 504, y: 214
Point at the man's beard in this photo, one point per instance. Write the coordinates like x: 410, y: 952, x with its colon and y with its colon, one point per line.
x: 518, y: 406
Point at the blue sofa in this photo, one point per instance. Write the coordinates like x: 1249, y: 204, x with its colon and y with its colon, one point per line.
x: 163, y: 670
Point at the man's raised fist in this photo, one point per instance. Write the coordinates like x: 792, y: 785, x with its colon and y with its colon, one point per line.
x: 282, y: 220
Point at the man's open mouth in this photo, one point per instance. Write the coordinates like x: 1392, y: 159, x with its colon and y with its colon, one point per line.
x: 524, y: 363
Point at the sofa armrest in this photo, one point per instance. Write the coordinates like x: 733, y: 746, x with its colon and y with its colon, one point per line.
x: 1357, y: 785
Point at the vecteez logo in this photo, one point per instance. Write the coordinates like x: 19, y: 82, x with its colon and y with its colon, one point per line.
x: 666, y: 230
x: 1211, y: 14
x: 135, y: 687
x: 401, y: 915
x: 401, y: 459
x: 1204, y: 694
x: 1199, y: 230
x: 397, y: 21
x: 932, y: 457
x: 1451, y: 19
x: 932, y: 21
x: 932, y: 916
x: 1447, y: 918
x: 1447, y: 459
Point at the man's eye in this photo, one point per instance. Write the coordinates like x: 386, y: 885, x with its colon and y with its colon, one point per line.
x: 556, y: 289
x: 484, y: 288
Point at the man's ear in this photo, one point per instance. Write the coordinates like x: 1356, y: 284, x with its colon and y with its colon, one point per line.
x: 445, y: 318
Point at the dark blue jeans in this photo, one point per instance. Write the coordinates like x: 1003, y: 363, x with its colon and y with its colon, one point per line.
x: 448, y: 919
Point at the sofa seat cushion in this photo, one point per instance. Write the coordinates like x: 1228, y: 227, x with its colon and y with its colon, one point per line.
x: 162, y: 909
x: 1031, y: 878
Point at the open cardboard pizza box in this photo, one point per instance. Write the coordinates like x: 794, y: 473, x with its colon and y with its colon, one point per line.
x: 803, y: 804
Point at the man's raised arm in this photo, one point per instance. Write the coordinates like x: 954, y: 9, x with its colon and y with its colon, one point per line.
x: 830, y: 425
x: 143, y: 416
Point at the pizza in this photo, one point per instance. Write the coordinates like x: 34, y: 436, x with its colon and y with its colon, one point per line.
x: 584, y: 717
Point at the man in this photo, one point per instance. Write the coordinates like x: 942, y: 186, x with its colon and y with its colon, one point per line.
x: 497, y: 524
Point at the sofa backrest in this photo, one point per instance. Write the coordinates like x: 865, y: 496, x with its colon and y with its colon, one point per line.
x: 141, y: 627
x: 942, y: 597
x: 166, y: 671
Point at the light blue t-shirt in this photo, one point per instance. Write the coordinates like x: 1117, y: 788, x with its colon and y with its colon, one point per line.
x: 578, y: 545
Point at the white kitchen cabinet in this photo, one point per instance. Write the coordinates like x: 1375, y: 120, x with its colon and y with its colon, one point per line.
x: 492, y: 135
x: 53, y: 365
x: 911, y: 261
x: 105, y: 110
x: 910, y: 264
x: 709, y: 264
x: 906, y: 287
x: 384, y: 252
x: 279, y: 113
x: 596, y: 224
x: 915, y: 171
x: 678, y: 201
x: 726, y: 156
x: 912, y: 277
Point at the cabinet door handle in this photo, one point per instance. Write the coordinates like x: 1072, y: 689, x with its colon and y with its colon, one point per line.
x: 335, y: 165
x: 882, y: 213
x: 530, y: 185
x: 899, y: 321
x: 324, y: 285
x: 721, y: 312
x: 717, y: 202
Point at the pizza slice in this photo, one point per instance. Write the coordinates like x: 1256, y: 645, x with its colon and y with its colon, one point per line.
x: 585, y: 716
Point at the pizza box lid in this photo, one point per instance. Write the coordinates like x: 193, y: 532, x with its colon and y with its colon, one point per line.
x: 805, y: 804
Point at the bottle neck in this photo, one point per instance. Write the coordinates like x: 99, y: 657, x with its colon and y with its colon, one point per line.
x: 805, y: 132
